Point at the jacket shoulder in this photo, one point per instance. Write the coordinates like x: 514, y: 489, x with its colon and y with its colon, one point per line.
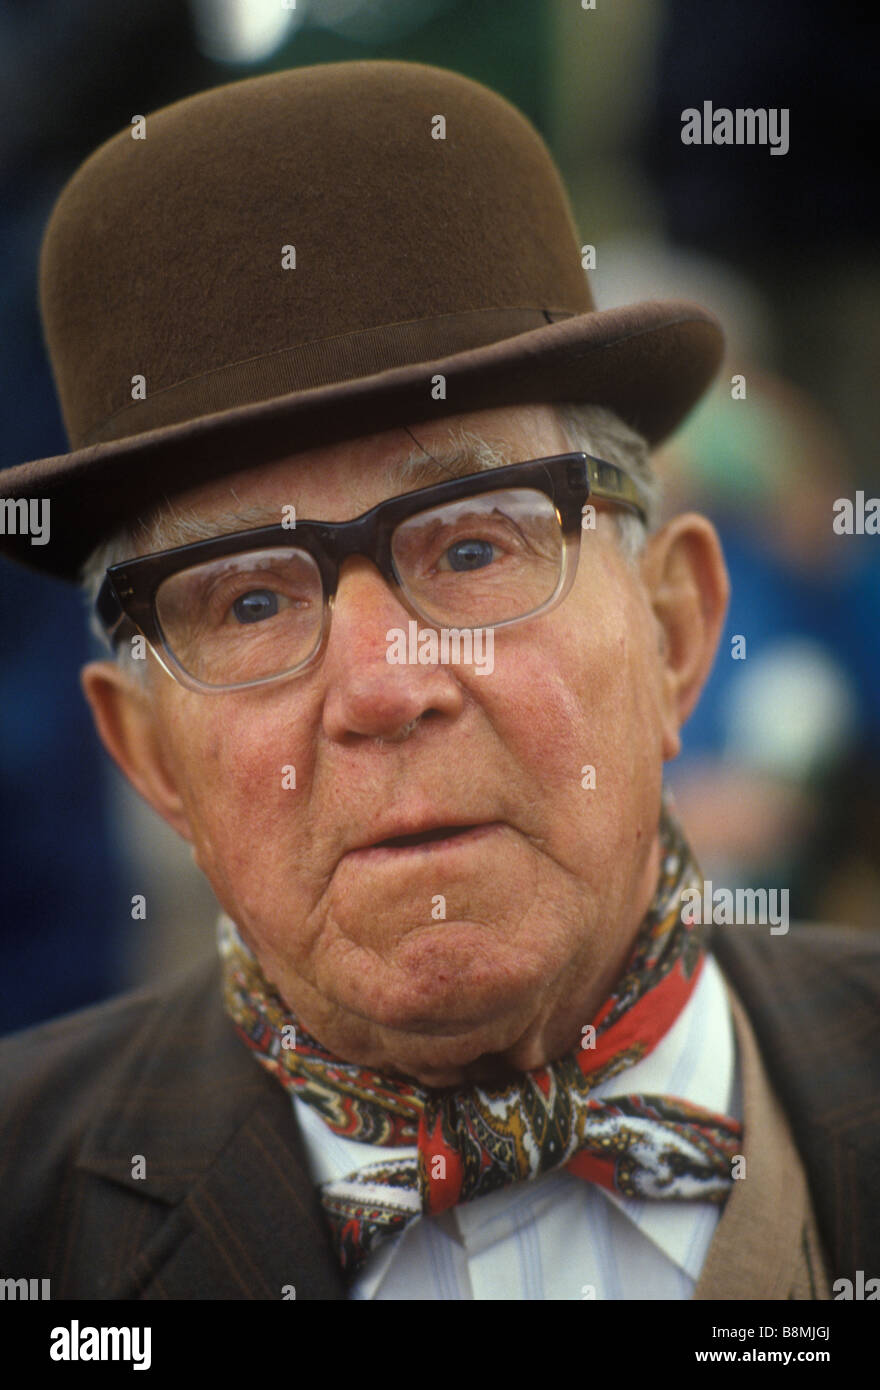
x: 63, y: 1065
x: 814, y: 978
x: 65, y: 1086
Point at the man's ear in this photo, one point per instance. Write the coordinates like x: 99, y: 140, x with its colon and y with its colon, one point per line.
x: 686, y: 577
x: 125, y: 716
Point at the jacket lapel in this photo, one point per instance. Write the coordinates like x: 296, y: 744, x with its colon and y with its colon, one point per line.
x: 813, y: 999
x: 221, y: 1205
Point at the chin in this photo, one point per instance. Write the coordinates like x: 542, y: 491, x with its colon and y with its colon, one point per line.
x: 452, y: 983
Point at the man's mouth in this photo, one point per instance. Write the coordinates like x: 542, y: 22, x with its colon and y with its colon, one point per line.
x: 432, y: 838
x: 426, y: 837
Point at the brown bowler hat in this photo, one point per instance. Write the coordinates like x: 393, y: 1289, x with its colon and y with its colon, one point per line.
x: 290, y: 261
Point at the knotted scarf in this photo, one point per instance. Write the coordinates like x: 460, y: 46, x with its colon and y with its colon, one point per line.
x: 474, y: 1141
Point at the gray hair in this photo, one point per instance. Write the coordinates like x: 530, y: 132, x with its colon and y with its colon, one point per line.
x: 589, y: 429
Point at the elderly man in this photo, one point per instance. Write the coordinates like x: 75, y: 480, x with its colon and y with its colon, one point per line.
x: 360, y: 487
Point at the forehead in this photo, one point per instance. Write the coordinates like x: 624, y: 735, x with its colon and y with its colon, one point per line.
x: 338, y: 482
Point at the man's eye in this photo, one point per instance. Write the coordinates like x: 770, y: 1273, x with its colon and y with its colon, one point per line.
x: 255, y: 605
x: 469, y: 555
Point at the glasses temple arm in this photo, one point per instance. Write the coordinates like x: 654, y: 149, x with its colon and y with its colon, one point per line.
x: 610, y: 484
x: 112, y: 616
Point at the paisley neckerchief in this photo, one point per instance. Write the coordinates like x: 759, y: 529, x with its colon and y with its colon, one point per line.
x: 473, y: 1141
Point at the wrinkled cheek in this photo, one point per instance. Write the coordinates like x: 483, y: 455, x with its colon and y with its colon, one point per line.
x: 241, y: 804
x: 572, y: 701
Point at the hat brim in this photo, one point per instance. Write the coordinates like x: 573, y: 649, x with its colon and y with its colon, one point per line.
x: 648, y: 362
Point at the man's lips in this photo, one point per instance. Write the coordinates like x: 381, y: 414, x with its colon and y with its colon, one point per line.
x: 428, y: 840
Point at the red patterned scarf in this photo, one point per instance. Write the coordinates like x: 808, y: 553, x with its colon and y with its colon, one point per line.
x: 475, y: 1141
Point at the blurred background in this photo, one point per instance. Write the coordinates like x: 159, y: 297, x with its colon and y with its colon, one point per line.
x: 778, y: 780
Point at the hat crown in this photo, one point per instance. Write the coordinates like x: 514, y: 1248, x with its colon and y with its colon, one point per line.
x: 266, y: 237
x: 311, y: 257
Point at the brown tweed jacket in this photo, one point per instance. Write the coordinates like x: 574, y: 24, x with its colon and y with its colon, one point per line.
x: 144, y: 1154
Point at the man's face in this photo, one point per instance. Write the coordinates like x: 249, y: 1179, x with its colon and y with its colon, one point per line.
x: 542, y: 895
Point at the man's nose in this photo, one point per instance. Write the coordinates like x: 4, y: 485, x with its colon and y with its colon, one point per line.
x: 367, y: 694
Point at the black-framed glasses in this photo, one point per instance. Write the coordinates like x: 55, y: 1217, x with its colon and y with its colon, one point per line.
x: 484, y: 551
